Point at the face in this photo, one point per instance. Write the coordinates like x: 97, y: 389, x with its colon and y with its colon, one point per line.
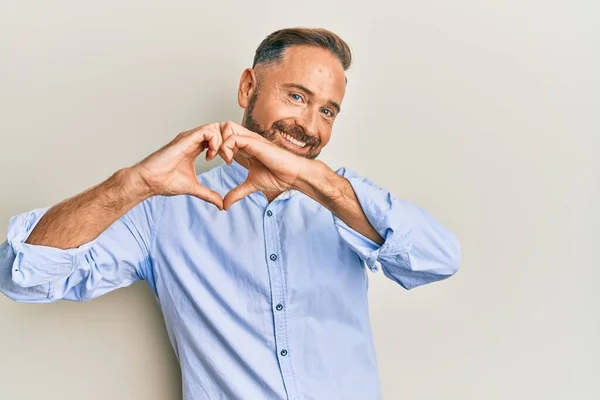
x: 295, y: 102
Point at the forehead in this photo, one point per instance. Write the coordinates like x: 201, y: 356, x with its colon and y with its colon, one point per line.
x: 315, y: 68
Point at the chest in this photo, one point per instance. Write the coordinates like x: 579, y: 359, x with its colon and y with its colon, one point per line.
x: 250, y: 254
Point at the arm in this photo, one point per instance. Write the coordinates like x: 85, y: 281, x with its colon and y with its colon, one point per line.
x: 101, y: 239
x: 117, y: 257
x: 169, y: 171
x: 56, y: 253
x: 335, y: 193
x: 83, y: 218
x: 410, y: 245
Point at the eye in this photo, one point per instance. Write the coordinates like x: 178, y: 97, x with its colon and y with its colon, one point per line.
x: 327, y: 112
x: 296, y: 97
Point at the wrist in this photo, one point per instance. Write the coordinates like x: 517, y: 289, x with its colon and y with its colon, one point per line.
x: 132, y: 184
x: 320, y: 182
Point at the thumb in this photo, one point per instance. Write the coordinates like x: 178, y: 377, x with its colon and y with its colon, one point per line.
x: 204, y: 193
x: 238, y: 193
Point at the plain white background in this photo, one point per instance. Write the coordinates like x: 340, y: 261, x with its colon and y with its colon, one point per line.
x: 484, y: 113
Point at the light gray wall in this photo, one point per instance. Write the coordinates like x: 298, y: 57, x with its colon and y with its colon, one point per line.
x: 485, y: 113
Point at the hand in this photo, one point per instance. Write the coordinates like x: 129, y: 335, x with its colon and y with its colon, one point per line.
x: 171, y: 170
x: 270, y: 168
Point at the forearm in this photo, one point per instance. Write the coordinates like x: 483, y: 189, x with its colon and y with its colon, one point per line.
x: 418, y: 249
x: 84, y: 217
x: 336, y: 194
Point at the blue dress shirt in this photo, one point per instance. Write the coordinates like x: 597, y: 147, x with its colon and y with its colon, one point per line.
x: 264, y: 301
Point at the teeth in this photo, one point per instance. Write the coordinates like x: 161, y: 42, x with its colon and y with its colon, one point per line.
x: 292, y: 140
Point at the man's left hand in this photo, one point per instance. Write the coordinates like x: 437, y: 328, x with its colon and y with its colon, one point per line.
x: 270, y: 168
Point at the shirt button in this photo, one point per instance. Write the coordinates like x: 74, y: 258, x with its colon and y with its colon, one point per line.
x: 273, y: 257
x: 269, y: 213
x: 279, y: 307
x: 283, y: 353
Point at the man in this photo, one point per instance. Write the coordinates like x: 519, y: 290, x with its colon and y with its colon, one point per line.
x: 259, y: 265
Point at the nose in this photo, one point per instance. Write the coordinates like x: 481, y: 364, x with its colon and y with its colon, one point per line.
x: 309, y: 121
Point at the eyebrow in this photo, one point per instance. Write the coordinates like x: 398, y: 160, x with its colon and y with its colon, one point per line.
x: 311, y: 93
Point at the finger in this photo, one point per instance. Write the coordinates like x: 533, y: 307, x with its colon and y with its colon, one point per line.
x: 213, y: 145
x: 231, y: 128
x: 210, y: 154
x: 247, y: 146
x: 199, y: 139
x: 214, y: 139
x: 238, y: 193
x: 228, y: 149
x: 189, y: 143
x: 204, y: 193
x: 206, y: 138
x: 196, y: 149
x: 226, y: 132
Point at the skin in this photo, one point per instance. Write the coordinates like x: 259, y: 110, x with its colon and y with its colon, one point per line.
x: 300, y: 96
x: 302, y: 92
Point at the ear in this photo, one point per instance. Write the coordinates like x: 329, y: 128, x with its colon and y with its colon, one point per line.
x: 248, y: 85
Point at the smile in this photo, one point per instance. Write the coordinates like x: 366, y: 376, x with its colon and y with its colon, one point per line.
x: 293, y: 141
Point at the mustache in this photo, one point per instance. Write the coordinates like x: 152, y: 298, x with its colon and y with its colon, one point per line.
x: 296, y: 131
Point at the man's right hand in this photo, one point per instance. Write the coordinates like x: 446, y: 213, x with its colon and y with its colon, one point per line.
x: 171, y: 170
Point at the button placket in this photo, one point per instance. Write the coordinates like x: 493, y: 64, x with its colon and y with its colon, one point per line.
x: 278, y: 290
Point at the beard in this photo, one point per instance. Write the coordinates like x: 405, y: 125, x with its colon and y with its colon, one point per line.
x: 273, y: 134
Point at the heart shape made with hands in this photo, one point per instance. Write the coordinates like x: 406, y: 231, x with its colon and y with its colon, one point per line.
x: 270, y: 167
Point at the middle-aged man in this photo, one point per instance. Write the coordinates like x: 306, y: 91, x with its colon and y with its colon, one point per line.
x: 259, y: 265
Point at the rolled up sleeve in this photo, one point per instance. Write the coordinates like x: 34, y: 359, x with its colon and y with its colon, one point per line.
x: 35, y: 265
x: 417, y: 249
x: 118, y: 257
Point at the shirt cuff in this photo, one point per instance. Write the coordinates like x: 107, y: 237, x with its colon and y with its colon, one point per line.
x: 367, y: 250
x: 385, y: 213
x: 34, y: 264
